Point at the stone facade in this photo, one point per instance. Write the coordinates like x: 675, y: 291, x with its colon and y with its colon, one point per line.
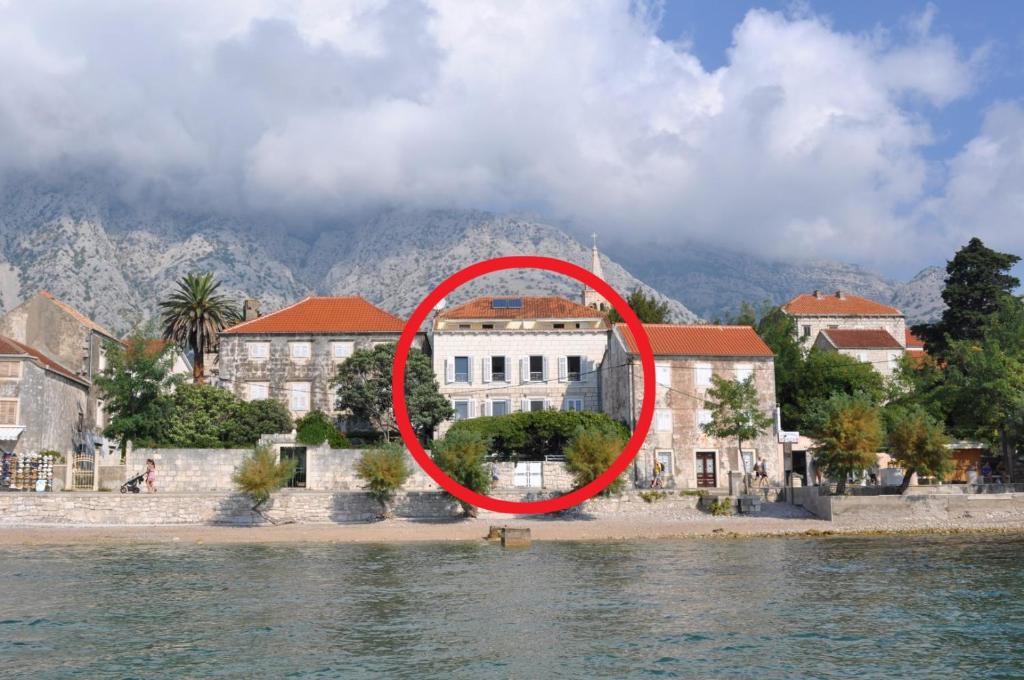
x: 808, y: 327
x: 518, y: 387
x: 66, y: 336
x: 46, y: 404
x: 282, y: 376
x: 675, y: 435
x: 885, y: 361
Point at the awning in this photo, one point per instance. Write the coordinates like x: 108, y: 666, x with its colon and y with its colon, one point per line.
x: 9, y: 433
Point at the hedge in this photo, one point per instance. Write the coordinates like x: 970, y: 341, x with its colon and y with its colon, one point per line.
x: 531, y: 435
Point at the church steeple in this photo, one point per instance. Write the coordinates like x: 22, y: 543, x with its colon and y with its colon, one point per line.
x: 591, y: 298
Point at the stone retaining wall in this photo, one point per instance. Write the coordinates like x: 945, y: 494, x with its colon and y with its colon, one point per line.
x: 940, y: 505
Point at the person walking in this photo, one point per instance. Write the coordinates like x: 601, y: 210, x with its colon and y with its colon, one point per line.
x: 658, y: 470
x: 150, y: 475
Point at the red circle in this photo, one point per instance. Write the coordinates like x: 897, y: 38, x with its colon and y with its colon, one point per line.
x: 463, y: 276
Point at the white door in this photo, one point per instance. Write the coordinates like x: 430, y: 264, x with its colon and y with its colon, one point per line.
x: 528, y: 475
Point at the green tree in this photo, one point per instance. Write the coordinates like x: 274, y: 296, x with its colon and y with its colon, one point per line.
x: 977, y: 283
x: 247, y: 421
x: 824, y: 374
x: 204, y: 416
x: 363, y: 385
x: 778, y: 330
x: 194, y: 314
x: 385, y: 470
x: 917, y: 441
x: 736, y: 411
x: 136, y: 377
x: 315, y: 428
x: 648, y: 308
x: 260, y: 475
x: 983, y: 386
x: 462, y: 456
x: 848, y: 430
x: 531, y: 435
x: 590, y: 453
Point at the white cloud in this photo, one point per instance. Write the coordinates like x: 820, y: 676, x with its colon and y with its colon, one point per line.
x: 804, y: 142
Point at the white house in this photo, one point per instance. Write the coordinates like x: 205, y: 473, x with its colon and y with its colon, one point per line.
x: 498, y: 355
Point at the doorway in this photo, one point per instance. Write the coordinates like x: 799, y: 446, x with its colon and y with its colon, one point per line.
x: 298, y: 454
x: 707, y: 476
x: 800, y: 466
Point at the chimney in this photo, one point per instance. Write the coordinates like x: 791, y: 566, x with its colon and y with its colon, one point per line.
x: 841, y: 295
x: 250, y: 310
x: 818, y: 295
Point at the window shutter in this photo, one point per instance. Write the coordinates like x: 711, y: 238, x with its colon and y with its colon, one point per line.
x: 544, y: 374
x: 524, y: 405
x: 524, y: 370
x: 508, y: 370
x: 487, y: 408
x: 486, y: 373
x: 449, y: 370
x: 563, y: 369
x: 470, y: 407
x: 469, y: 368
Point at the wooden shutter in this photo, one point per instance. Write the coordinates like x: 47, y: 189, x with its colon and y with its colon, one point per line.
x: 563, y: 369
x: 544, y: 374
x: 524, y: 405
x: 487, y: 408
x: 508, y: 371
x: 469, y: 370
x: 10, y: 369
x: 524, y: 370
x: 470, y: 407
x: 8, y: 411
x: 487, y: 366
x: 449, y: 370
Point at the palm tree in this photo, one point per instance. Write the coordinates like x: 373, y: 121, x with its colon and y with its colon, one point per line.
x: 194, y: 314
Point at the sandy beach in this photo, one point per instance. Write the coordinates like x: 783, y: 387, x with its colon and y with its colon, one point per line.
x: 777, y: 520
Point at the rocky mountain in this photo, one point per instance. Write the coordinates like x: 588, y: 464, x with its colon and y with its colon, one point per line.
x: 115, y: 261
x: 714, y: 282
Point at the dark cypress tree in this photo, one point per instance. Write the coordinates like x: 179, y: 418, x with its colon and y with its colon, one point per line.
x: 977, y: 283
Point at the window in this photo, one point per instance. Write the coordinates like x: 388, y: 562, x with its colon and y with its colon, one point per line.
x: 298, y: 397
x: 703, y: 417
x: 464, y: 326
x: 702, y: 375
x: 258, y: 350
x: 663, y: 375
x: 498, y: 368
x: 300, y: 350
x: 743, y: 371
x: 862, y: 356
x: 10, y: 369
x: 807, y: 331
x: 342, y: 350
x: 461, y: 369
x: 8, y: 411
x: 536, y: 369
x: 499, y: 407
x: 558, y: 325
x: 463, y: 409
x: 574, y: 404
x: 257, y: 390
x: 536, y: 405
x: 663, y: 420
x: 833, y: 326
x: 574, y: 366
x: 487, y: 326
x: 894, y: 358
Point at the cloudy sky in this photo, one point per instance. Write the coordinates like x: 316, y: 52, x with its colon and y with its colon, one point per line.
x: 883, y: 133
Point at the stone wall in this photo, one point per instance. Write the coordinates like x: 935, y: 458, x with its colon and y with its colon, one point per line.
x: 334, y: 470
x: 188, y: 470
x: 895, y: 325
x: 48, y: 406
x: 934, y: 506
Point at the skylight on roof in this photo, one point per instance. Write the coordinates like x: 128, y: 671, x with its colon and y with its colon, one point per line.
x: 507, y: 303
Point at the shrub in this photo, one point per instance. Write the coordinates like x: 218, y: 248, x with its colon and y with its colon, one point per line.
x: 699, y: 493
x: 250, y: 420
x: 315, y: 428
x: 590, y: 453
x: 384, y: 470
x: 531, y: 435
x: 204, y: 416
x: 261, y: 474
x: 461, y: 456
x: 720, y: 506
x: 652, y: 496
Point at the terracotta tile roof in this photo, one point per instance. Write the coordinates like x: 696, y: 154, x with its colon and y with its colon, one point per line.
x: 78, y: 316
x: 11, y: 347
x: 533, y: 307
x: 856, y: 338
x: 709, y: 341
x: 833, y: 305
x: 912, y: 341
x: 350, y: 314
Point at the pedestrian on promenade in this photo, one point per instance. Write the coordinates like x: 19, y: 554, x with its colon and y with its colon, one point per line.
x: 658, y: 469
x: 150, y: 475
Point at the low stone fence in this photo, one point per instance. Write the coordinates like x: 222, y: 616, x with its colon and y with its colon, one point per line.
x: 942, y: 505
x: 203, y: 470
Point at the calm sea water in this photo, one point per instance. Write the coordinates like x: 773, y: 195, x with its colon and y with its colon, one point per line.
x: 918, y: 607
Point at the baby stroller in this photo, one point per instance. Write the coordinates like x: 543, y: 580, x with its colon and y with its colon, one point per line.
x: 132, y: 485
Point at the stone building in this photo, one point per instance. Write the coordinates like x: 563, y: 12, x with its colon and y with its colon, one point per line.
x: 872, y: 346
x: 498, y: 355
x: 293, y: 354
x: 66, y: 336
x: 686, y: 357
x: 817, y: 312
x: 41, y: 401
